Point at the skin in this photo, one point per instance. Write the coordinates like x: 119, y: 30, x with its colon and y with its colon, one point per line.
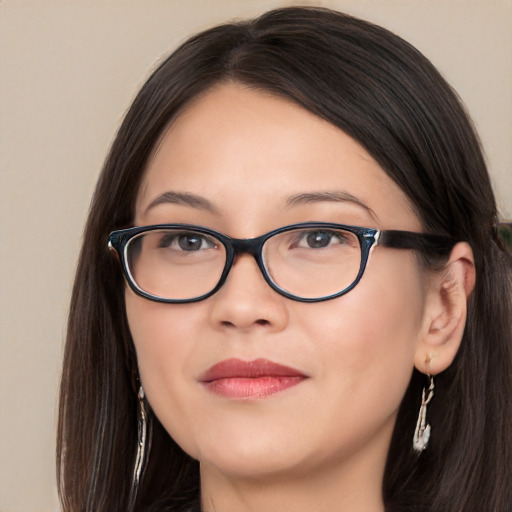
x: 320, y: 445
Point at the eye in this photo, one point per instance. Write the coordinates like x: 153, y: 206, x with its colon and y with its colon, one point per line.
x: 319, y: 239
x: 186, y: 241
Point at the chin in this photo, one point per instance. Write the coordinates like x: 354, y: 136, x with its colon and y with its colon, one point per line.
x: 254, y: 453
x: 251, y: 465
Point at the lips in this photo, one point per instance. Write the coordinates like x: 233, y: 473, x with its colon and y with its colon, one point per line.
x: 250, y: 380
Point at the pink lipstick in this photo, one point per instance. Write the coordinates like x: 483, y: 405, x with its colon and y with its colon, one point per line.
x: 250, y: 380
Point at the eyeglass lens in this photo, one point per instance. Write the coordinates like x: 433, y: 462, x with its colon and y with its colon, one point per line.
x: 184, y: 264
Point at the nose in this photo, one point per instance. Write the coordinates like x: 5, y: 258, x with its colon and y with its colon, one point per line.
x: 246, y: 301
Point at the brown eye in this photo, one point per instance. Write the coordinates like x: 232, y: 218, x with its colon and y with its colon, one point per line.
x: 318, y: 239
x: 189, y: 242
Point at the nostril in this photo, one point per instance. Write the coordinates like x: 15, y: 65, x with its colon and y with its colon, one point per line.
x: 261, y: 321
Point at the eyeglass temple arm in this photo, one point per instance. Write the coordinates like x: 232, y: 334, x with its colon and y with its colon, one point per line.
x: 440, y: 245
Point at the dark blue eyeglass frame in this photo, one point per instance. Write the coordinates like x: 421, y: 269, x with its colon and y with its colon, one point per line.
x: 434, y: 245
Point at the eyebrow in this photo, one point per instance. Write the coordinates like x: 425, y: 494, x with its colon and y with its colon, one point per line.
x: 338, y: 196
x: 201, y: 203
x: 183, y: 198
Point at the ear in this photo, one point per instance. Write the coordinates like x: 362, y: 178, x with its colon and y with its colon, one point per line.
x: 445, y: 311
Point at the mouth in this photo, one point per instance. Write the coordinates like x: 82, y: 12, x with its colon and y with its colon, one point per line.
x: 250, y: 380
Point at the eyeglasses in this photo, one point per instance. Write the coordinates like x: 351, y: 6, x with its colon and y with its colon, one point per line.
x: 307, y: 262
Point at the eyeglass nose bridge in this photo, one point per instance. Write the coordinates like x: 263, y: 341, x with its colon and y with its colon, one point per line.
x: 253, y: 246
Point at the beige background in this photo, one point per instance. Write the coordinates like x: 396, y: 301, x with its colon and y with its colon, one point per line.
x: 68, y: 71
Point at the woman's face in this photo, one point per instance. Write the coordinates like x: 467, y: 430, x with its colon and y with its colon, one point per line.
x: 247, y: 153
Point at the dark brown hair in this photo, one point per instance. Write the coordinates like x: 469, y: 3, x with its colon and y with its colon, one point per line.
x: 386, y: 95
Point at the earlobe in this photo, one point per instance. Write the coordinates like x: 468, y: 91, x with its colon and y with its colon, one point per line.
x: 446, y: 311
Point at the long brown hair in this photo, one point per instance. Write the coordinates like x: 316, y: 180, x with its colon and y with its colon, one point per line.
x: 387, y: 96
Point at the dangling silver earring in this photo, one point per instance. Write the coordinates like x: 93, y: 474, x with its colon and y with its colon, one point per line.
x: 143, y: 446
x: 422, y: 431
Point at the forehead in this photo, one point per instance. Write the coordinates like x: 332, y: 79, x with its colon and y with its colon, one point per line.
x: 247, y: 151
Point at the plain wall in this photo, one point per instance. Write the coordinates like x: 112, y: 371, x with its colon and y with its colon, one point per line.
x: 68, y: 72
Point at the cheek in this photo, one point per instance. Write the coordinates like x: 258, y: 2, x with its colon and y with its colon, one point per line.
x: 160, y: 336
x: 151, y: 328
x: 392, y: 297
x: 368, y: 337
x: 163, y: 334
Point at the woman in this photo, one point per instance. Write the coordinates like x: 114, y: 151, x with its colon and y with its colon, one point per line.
x: 355, y: 352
